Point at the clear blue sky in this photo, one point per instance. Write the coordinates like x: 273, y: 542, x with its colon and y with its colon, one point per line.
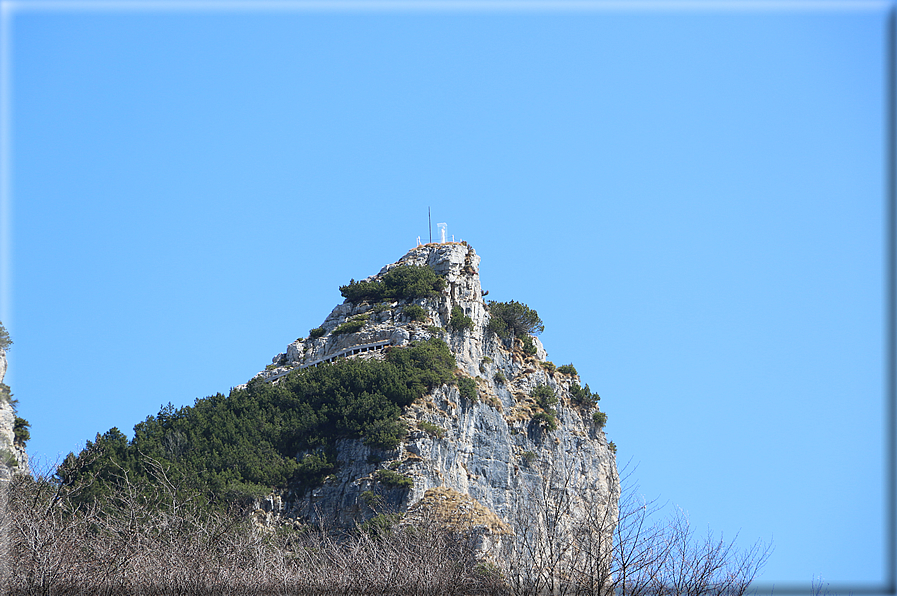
x: 692, y: 198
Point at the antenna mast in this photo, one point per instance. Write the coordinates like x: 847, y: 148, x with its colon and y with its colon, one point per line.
x: 430, y: 224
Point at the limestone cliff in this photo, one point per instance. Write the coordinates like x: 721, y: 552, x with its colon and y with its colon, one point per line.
x: 13, y: 458
x: 486, y: 457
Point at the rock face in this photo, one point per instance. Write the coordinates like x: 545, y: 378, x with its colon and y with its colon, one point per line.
x: 486, y: 458
x: 13, y: 458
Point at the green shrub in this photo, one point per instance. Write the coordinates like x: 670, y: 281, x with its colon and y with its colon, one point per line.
x: 424, y: 365
x: 499, y: 327
x: 435, y: 330
x: 415, y: 312
x: 613, y: 447
x: 459, y: 321
x: 316, y: 333
x: 352, y: 325
x: 431, y: 429
x: 349, y: 327
x: 499, y: 377
x: 371, y: 499
x: 406, y: 282
x: 245, y: 493
x: 5, y: 342
x: 313, y: 467
x: 549, y: 366
x: 567, y: 369
x: 384, y: 433
x: 513, y: 319
x: 528, y: 457
x: 487, y: 359
x: 599, y: 418
x: 6, y: 394
x: 359, y: 291
x: 529, y: 346
x: 381, y: 524
x: 546, y: 420
x: 381, y: 306
x: 468, y: 388
x: 393, y: 479
x: 544, y: 396
x: 20, y: 430
x: 583, y: 396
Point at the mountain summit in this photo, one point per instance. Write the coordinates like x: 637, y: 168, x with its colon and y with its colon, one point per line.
x: 486, y: 450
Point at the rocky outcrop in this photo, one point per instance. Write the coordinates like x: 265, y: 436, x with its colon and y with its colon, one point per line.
x: 484, y: 461
x: 13, y: 458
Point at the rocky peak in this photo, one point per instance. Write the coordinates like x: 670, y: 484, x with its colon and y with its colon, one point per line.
x: 385, y: 323
x: 490, y: 453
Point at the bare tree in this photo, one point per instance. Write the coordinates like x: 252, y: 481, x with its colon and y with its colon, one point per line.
x: 139, y: 541
x: 563, y: 547
x: 150, y: 539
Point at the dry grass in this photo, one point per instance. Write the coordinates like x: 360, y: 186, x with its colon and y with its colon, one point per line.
x: 455, y: 511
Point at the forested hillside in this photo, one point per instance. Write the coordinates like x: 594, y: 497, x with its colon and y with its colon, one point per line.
x: 234, y: 447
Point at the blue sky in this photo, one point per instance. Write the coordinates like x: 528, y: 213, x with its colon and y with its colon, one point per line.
x: 691, y: 195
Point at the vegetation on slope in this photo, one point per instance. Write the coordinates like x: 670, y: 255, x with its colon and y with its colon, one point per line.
x: 5, y: 342
x: 241, y: 445
x: 405, y: 282
x: 459, y: 321
x: 546, y: 399
x: 513, y: 319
